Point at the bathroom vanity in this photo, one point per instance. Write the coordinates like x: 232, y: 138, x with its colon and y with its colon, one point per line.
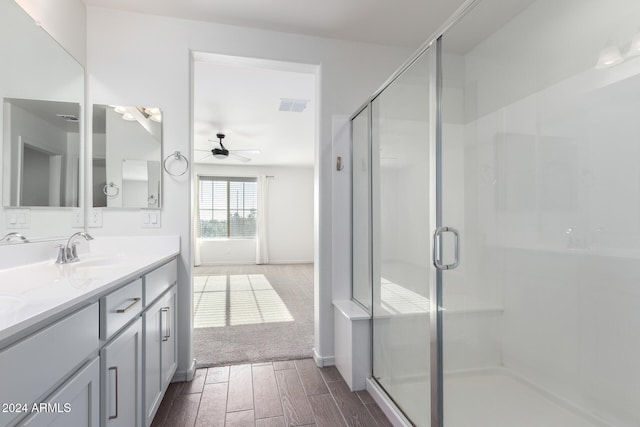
x: 91, y: 342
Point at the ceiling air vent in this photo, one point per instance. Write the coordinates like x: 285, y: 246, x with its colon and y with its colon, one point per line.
x: 68, y: 117
x: 293, y: 105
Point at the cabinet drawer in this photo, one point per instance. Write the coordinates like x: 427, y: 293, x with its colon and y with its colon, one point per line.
x: 159, y: 280
x: 32, y: 367
x: 120, y: 307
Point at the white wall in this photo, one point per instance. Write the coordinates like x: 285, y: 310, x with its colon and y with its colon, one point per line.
x: 65, y: 20
x: 29, y: 129
x: 569, y: 300
x: 289, y: 217
x: 40, y: 69
x: 147, y: 62
x: 341, y: 228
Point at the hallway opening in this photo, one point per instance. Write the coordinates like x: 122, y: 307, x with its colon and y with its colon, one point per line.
x: 254, y: 136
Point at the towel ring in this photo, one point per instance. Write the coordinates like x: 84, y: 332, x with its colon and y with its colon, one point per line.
x: 176, y: 156
x: 107, y: 190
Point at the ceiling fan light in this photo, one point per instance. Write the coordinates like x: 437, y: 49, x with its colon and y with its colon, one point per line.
x: 220, y: 153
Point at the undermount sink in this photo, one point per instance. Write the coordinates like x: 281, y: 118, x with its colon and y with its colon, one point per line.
x: 102, y: 261
x: 10, y: 304
x: 10, y: 301
x: 94, y: 267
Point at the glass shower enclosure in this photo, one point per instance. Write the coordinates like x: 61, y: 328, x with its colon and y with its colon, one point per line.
x: 503, y: 249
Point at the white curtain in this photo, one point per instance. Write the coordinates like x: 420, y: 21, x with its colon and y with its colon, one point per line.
x: 262, y: 247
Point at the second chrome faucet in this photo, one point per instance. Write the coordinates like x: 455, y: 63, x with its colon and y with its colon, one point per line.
x: 68, y: 253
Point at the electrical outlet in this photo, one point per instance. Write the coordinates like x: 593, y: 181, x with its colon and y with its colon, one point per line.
x: 77, y: 218
x: 95, y: 218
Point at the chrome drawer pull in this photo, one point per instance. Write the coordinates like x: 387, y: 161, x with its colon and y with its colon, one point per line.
x: 167, y: 335
x: 127, y: 308
x: 115, y: 369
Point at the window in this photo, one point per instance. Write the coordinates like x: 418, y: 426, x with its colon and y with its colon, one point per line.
x: 228, y: 207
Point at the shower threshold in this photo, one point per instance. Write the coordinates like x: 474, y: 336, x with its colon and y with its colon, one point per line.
x: 498, y: 398
x: 486, y: 398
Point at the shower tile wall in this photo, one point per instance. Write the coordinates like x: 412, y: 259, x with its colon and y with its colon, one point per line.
x: 550, y: 213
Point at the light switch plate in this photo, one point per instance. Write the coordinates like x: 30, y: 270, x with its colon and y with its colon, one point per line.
x: 150, y: 218
x: 18, y: 218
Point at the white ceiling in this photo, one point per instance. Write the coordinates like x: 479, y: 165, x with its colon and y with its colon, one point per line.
x: 399, y: 22
x: 241, y: 98
x: 49, y: 111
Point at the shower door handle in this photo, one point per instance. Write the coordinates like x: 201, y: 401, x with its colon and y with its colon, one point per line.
x: 437, y: 248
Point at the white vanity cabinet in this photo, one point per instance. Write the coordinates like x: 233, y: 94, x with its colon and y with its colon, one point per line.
x: 160, y: 344
x: 160, y: 351
x: 39, y: 368
x: 75, y: 404
x: 121, y: 378
x: 104, y: 361
x: 121, y: 356
x: 138, y: 364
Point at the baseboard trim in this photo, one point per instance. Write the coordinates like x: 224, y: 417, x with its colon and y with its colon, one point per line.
x: 182, y: 376
x: 281, y: 262
x: 389, y: 408
x: 323, y: 361
x: 297, y: 261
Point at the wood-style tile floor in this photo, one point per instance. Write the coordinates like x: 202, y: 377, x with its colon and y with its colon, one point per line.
x: 272, y: 394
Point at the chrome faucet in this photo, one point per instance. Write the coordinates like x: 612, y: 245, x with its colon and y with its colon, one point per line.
x: 69, y: 253
x: 7, y: 237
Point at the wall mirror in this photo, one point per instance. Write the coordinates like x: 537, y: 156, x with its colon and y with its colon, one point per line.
x: 42, y: 140
x: 127, y: 156
x: 42, y: 94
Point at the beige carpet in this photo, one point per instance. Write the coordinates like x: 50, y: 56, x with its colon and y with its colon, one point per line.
x: 252, y: 313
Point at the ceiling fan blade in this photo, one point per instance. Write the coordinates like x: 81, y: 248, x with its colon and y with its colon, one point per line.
x: 239, y: 157
x: 248, y: 151
x: 205, y: 157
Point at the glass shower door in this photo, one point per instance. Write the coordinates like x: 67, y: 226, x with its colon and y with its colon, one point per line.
x: 540, y: 176
x: 401, y: 240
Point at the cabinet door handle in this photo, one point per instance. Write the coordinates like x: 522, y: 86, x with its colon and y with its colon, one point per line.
x: 130, y: 306
x: 115, y: 370
x: 167, y: 323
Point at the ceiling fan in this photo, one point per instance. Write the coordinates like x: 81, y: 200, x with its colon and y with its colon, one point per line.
x: 222, y: 152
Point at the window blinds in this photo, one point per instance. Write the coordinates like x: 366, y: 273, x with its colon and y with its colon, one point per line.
x: 228, y: 207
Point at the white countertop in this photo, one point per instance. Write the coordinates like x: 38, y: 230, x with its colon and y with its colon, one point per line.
x: 33, y: 293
